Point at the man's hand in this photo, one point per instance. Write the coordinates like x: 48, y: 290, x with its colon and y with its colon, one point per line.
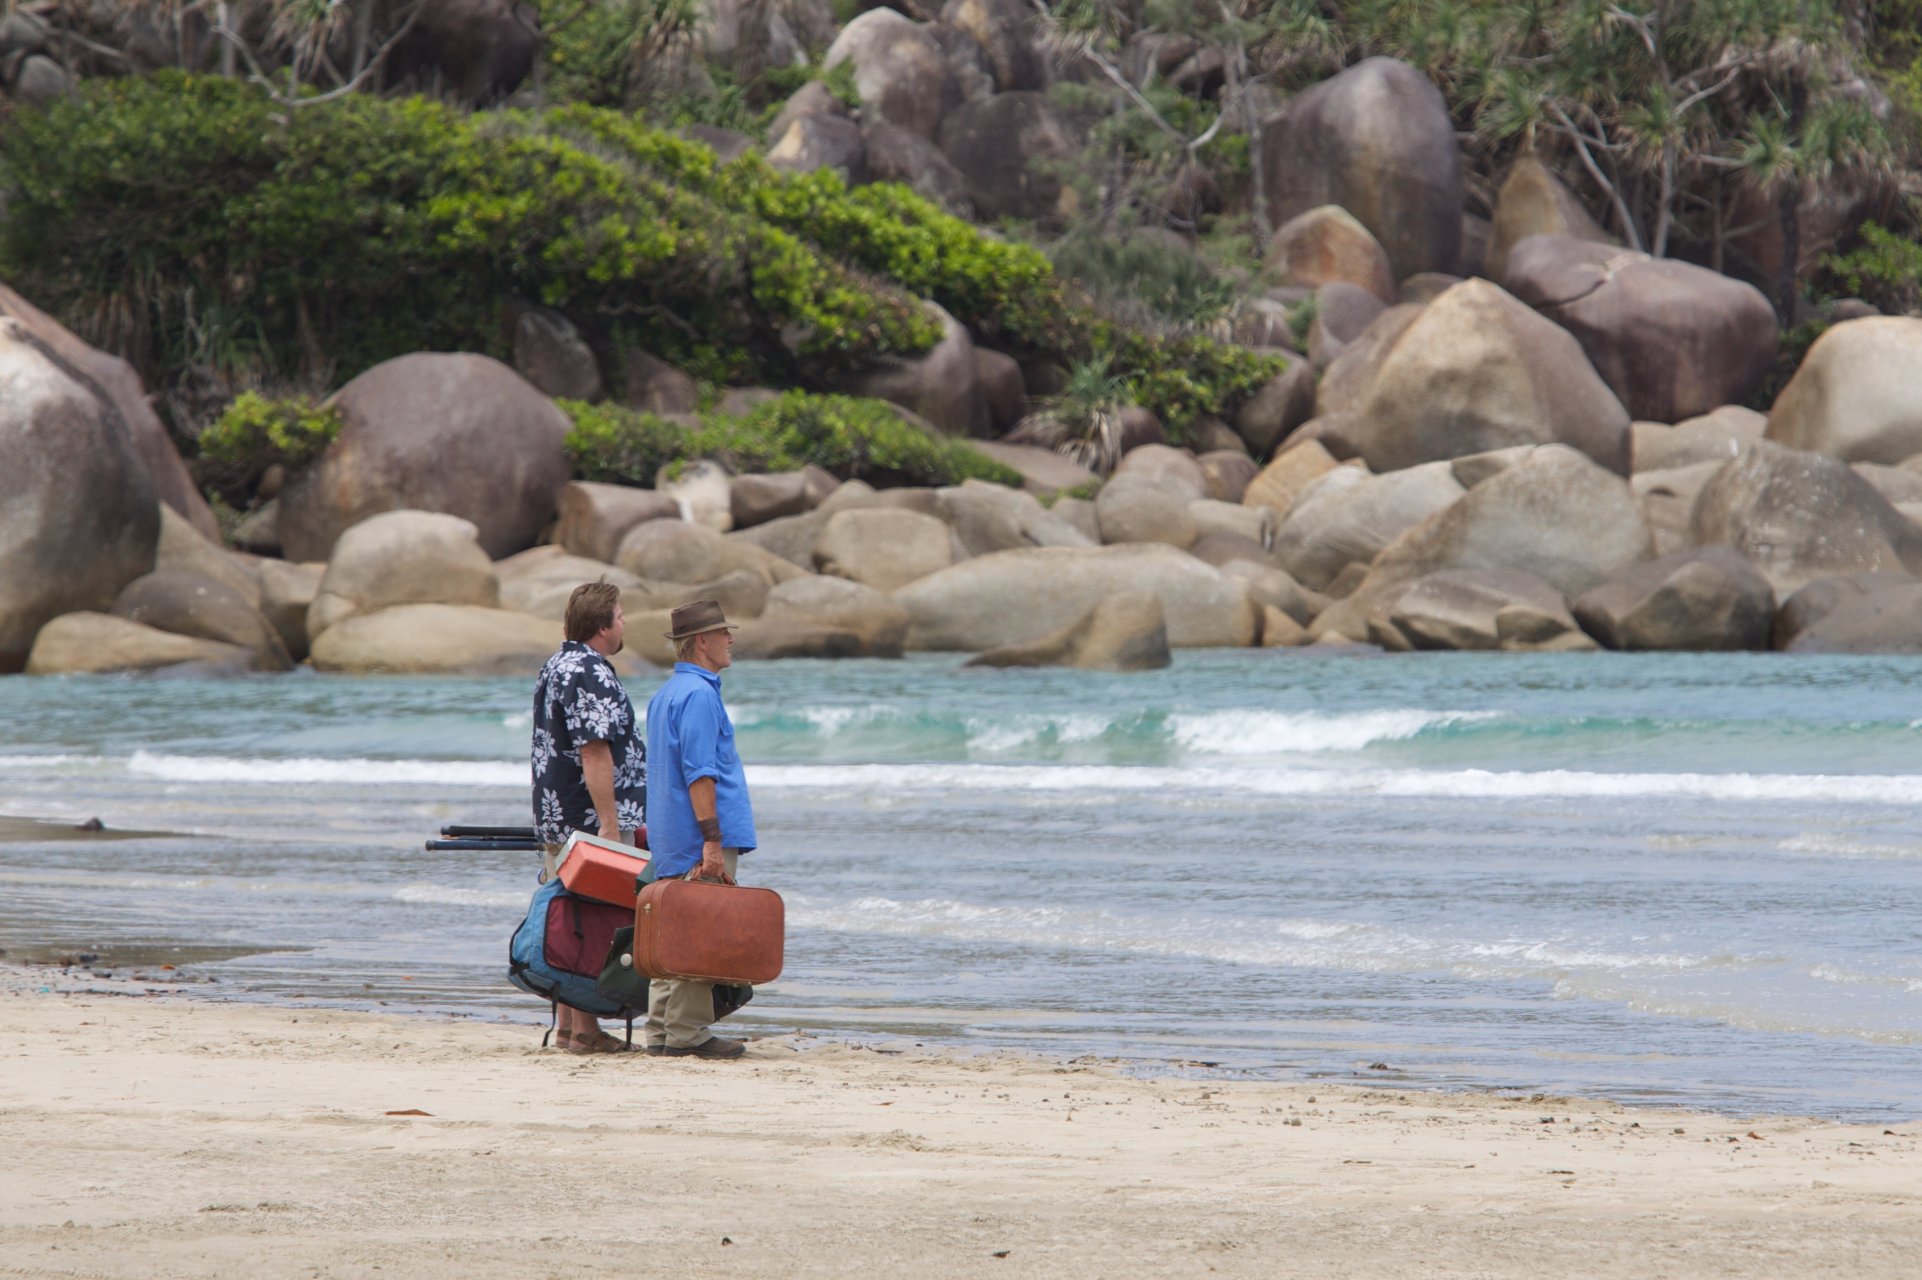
x: 614, y: 832
x: 713, y: 865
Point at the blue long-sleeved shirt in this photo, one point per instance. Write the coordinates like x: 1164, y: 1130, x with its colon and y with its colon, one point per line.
x: 689, y: 737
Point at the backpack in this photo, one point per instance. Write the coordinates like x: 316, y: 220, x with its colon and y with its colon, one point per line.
x: 560, y: 948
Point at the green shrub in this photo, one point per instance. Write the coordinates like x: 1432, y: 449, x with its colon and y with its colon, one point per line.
x: 368, y: 228
x: 334, y: 236
x: 853, y: 438
x: 1885, y: 268
x: 258, y: 432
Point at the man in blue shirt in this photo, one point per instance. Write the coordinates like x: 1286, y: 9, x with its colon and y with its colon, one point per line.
x: 699, y: 818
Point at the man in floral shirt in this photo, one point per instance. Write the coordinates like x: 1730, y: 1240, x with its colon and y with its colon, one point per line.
x: 589, y: 762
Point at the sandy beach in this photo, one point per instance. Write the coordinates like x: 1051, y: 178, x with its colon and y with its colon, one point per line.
x: 148, y: 1132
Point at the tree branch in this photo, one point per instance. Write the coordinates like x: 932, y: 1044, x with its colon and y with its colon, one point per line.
x: 1594, y: 171
x: 1114, y: 73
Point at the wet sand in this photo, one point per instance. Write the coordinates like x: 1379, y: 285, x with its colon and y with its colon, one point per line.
x: 150, y: 1133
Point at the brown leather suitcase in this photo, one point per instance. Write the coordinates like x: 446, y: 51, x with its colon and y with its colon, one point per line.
x: 709, y: 932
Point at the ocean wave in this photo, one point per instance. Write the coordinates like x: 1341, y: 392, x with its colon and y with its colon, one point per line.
x: 1265, y: 733
x: 1284, y: 943
x: 1833, y: 846
x: 1467, y: 784
x: 451, y: 896
x: 347, y: 771
x: 1852, y: 1019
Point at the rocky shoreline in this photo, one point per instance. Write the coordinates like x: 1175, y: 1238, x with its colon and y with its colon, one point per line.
x: 1493, y: 433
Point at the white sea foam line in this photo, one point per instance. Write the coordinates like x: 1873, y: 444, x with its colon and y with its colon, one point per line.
x: 1320, y: 944
x: 1248, y: 733
x: 315, y: 769
x: 448, y: 895
x: 1903, y: 789
x: 1838, y: 847
x: 1774, y: 1016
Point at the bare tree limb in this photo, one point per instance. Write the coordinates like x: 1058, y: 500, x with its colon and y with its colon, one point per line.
x: 1594, y: 171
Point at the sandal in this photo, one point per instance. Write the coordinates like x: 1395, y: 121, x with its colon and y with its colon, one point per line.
x: 599, y: 1042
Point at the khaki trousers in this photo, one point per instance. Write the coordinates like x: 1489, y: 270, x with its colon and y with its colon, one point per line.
x: 680, y: 1011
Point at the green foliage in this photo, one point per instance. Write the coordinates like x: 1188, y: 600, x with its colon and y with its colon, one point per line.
x: 612, y: 53
x: 851, y: 437
x: 1083, y: 420
x: 1139, y: 276
x: 360, y: 229
x: 199, y: 228
x: 1884, y: 268
x: 256, y: 432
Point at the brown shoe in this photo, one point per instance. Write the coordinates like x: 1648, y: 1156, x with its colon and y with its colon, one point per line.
x: 712, y: 1047
x: 656, y: 1050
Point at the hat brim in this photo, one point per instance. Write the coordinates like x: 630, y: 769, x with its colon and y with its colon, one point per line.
x: 699, y: 631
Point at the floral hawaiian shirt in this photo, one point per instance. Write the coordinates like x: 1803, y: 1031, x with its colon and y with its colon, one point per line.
x: 578, y: 699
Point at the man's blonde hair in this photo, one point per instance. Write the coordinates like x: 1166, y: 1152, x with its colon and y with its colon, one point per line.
x: 685, y: 646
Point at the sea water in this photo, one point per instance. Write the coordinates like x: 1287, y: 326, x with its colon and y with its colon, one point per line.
x: 1687, y: 879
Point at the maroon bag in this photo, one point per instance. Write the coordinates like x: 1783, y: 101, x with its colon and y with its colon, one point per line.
x: 579, y: 932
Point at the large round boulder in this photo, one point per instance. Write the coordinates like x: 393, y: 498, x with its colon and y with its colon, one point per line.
x: 78, y: 518
x: 895, y: 154
x: 1325, y: 245
x: 438, y: 639
x: 1127, y: 632
x: 1715, y: 436
x: 595, y: 517
x: 1707, y: 599
x: 122, y: 402
x: 1010, y: 34
x: 89, y: 643
x: 1881, y: 621
x: 460, y: 434
x: 900, y: 70
x: 822, y: 141
x: 182, y: 546
x: 1378, y: 141
x: 1476, y: 370
x: 542, y: 587
x: 678, y: 551
x: 1136, y: 508
x: 1460, y: 608
x: 841, y: 604
x: 1555, y: 514
x: 1283, y: 403
x: 475, y: 51
x: 1824, y: 596
x: 1855, y: 396
x: 192, y: 604
x: 1533, y: 202
x: 1013, y: 597
x: 1294, y: 469
x: 1348, y: 517
x: 1164, y: 466
x: 1671, y: 339
x: 551, y: 354
x: 883, y: 548
x: 1003, y: 145
x: 402, y: 557
x: 942, y: 385
x: 1800, y: 516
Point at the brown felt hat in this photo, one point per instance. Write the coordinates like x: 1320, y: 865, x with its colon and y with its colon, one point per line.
x: 693, y: 619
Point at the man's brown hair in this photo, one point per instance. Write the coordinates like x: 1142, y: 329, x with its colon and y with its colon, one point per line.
x: 590, y: 610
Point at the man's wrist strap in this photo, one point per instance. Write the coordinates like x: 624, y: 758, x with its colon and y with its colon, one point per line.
x: 710, y: 830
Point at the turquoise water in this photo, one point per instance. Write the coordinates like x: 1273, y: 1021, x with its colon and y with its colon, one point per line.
x: 1673, y: 878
